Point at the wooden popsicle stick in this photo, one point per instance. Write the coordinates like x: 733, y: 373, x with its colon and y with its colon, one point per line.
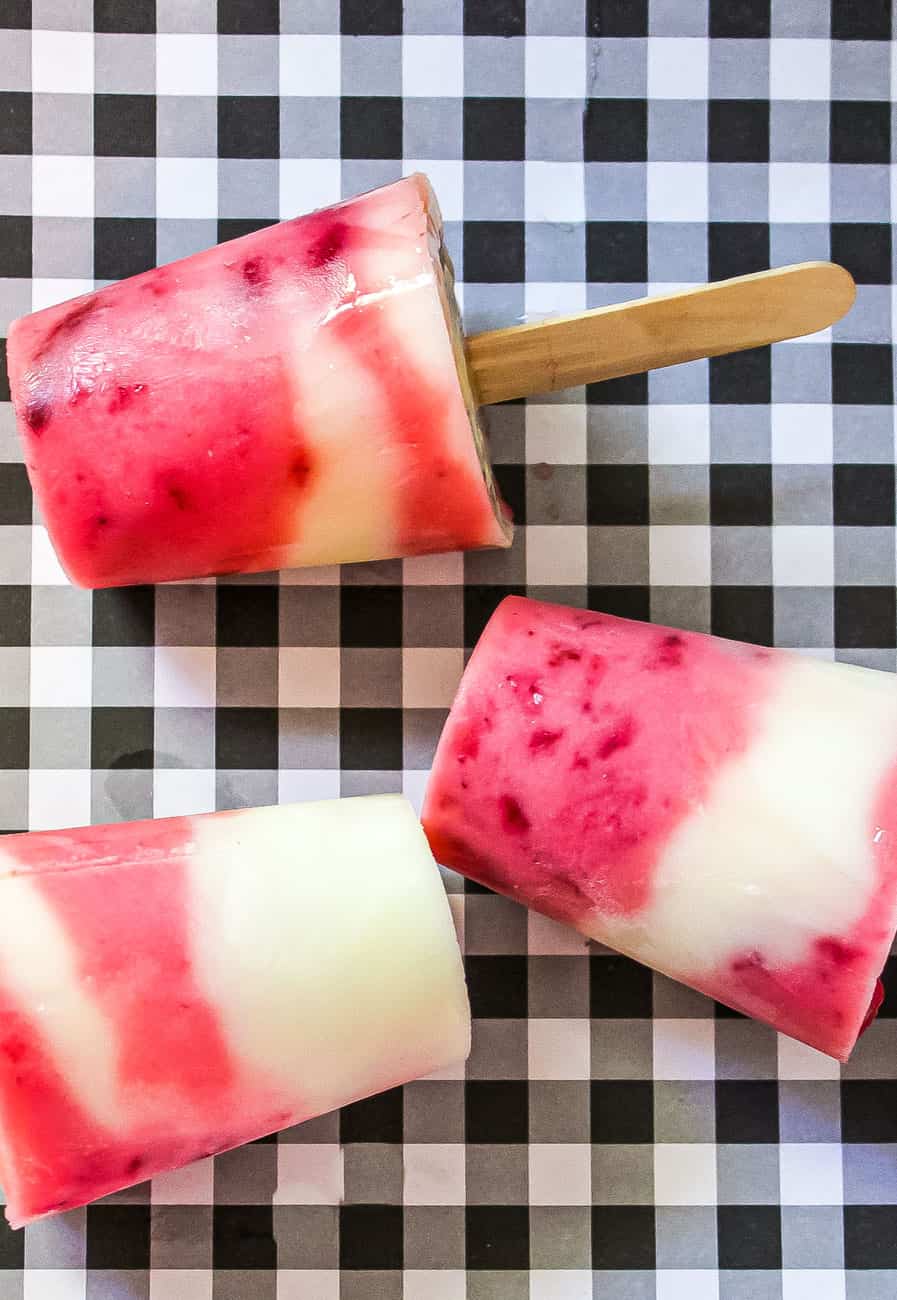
x: 629, y: 337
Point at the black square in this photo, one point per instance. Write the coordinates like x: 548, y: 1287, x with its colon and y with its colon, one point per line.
x: 248, y: 17
x: 497, y: 1236
x: 865, y: 617
x: 371, y: 18
x: 246, y: 738
x: 371, y: 126
x: 4, y: 373
x: 494, y: 252
x: 742, y: 613
x: 888, y: 1008
x: 617, y: 18
x: 15, y: 13
x: 623, y: 1236
x: 15, y: 247
x: 622, y: 1110
x: 375, y: 1119
x: 742, y: 377
x: 860, y: 131
x: 12, y: 1248
x: 371, y: 740
x: 121, y: 738
x: 630, y: 390
x: 738, y: 130
x: 617, y: 494
x: 617, y: 252
x: 248, y: 126
x: 870, y: 1236
x: 493, y: 17
x: 615, y: 130
x: 124, y: 616
x: 869, y: 1110
x: 15, y: 122
x: 497, y: 987
x: 862, y: 374
x: 123, y: 246
x: 371, y: 1236
x: 247, y: 616
x: 737, y: 248
x: 118, y: 1236
x: 625, y: 602
x: 15, y: 736
x: 511, y: 480
x: 864, y: 247
x: 861, y: 20
x: 479, y: 605
x: 494, y: 129
x: 741, y: 494
x: 749, y: 1236
x: 739, y: 18
x: 15, y: 495
x: 15, y: 619
x: 124, y: 15
x: 236, y: 227
x: 124, y: 126
x: 747, y: 1111
x: 243, y: 1237
x: 619, y: 988
x: 864, y: 495
x: 496, y: 1110
x: 371, y: 616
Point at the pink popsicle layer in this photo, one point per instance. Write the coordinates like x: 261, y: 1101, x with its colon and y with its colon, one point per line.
x: 722, y: 812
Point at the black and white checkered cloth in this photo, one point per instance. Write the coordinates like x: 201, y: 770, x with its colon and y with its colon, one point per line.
x: 614, y: 1135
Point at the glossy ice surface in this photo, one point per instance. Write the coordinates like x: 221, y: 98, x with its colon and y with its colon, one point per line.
x: 293, y: 397
x: 722, y: 812
x: 169, y: 989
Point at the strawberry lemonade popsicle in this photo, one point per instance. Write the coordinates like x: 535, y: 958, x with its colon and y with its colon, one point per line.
x: 170, y: 989
x: 724, y: 813
x: 298, y: 396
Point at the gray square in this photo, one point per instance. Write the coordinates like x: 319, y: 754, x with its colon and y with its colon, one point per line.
x: 617, y: 68
x: 303, y: 17
x: 121, y: 794
x: 800, y: 18
x: 323, y: 1128
x: 434, y: 17
x: 809, y: 1111
x: 679, y: 494
x: 868, y: 1284
x: 747, y: 1173
x: 432, y: 128
x: 875, y: 1053
x: 61, y: 246
x: 248, y: 187
x: 246, y: 677
x: 745, y: 1050
x: 358, y: 175
x: 740, y: 434
x: 750, y: 1284
x: 185, y: 738
x: 181, y: 1236
x: 310, y: 616
x: 371, y: 678
x: 237, y: 1283
x: 122, y: 675
x: 373, y: 1173
x: 125, y: 62
x: 686, y: 1236
x: 671, y: 18
x: 307, y: 1236
x: 801, y: 494
x: 617, y: 435
x: 812, y: 1236
x: 860, y: 192
x: 498, y: 567
x: 559, y: 1110
x: 421, y: 731
x: 309, y: 738
x: 186, y: 126
x: 618, y: 556
x: 798, y: 131
x: 125, y: 187
x: 309, y: 127
x: 248, y: 65
x: 493, y: 66
x: 60, y: 738
x: 556, y: 494
x: 738, y: 191
x: 15, y: 557
x: 371, y: 65
x: 190, y: 16
x: 554, y: 252
x: 559, y: 1236
x: 801, y: 372
x: 862, y: 435
x: 546, y: 18
x: 685, y: 383
x: 497, y: 1174
x: 558, y: 987
x: 623, y: 1174
x: 616, y: 191
x: 433, y: 1111
x: 245, y: 788
x: 506, y: 433
x: 57, y: 1242
x: 176, y: 238
x: 494, y: 191
x: 61, y: 16
x: 62, y: 124
x: 15, y: 186
x: 13, y: 800
x: 677, y: 132
x: 741, y: 556
x: 869, y: 319
x: 114, y: 1283
x: 794, y: 242
x: 687, y: 607
x: 684, y: 1111
x: 739, y: 69
x: 804, y: 617
x: 434, y: 1236
x: 499, y: 1050
x: 554, y: 129
x: 672, y: 1000
x: 373, y: 573
x: 371, y: 782
x: 864, y: 557
x: 622, y: 1049
x: 677, y: 253
x: 369, y: 1284
x: 861, y: 70
x: 870, y: 1174
x: 493, y: 925
x: 432, y: 616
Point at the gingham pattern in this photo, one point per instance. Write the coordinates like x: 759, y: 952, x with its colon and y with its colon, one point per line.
x: 614, y: 1134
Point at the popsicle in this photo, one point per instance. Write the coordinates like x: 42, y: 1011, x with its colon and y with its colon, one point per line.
x: 304, y: 395
x: 722, y: 812
x: 172, y: 988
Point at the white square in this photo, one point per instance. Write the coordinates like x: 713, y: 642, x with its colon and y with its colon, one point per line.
x: 181, y: 1284
x: 800, y: 69
x: 798, y: 1061
x: 446, y: 175
x: 309, y: 1173
x: 810, y: 1173
x: 192, y: 1185
x: 307, y: 184
x: 687, y: 1284
x: 546, y: 937
x: 432, y: 1284
x: 802, y: 433
x: 556, y: 433
x: 430, y: 677
x: 678, y: 434
x: 46, y: 571
x: 545, y: 299
x: 308, y: 677
x: 301, y: 785
x: 560, y: 1173
x: 432, y: 67
x: 554, y: 191
x: 684, y: 1049
x: 54, y: 1284
x: 49, y: 293
x: 803, y: 555
x: 678, y: 67
x: 184, y: 677
x: 679, y: 555
x: 307, y: 1283
x: 61, y: 676
x: 183, y: 792
x: 559, y: 1049
x: 434, y: 570
x: 62, y: 63
x: 62, y: 186
x: 556, y: 555
x: 435, y: 1173
x: 685, y: 1173
x: 677, y: 191
x: 555, y: 67
x: 799, y: 192
x: 310, y: 65
x: 813, y: 1284
x: 58, y: 799
x: 187, y: 188
x: 560, y: 1284
x: 186, y: 64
